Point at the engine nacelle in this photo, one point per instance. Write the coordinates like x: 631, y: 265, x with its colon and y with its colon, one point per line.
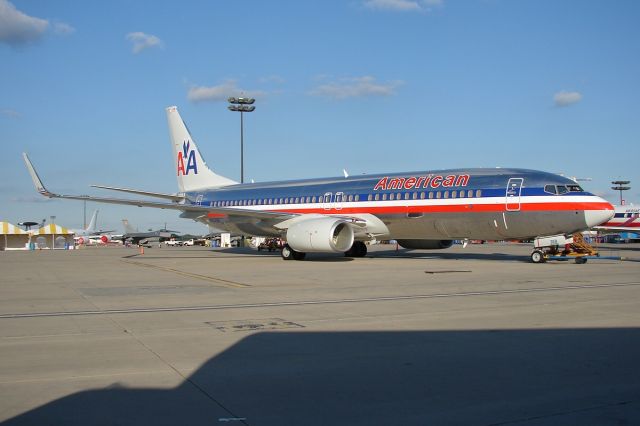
x: 426, y: 244
x: 104, y: 239
x: 82, y: 240
x: 323, y: 234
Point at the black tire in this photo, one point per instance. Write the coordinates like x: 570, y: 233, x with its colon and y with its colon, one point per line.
x: 537, y: 256
x: 581, y: 260
x: 358, y: 249
x: 287, y: 252
x: 298, y: 255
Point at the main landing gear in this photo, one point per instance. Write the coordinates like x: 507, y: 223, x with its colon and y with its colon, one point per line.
x: 358, y: 249
x: 288, y: 253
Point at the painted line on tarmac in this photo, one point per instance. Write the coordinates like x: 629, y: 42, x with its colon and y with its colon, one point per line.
x: 226, y: 283
x: 314, y: 302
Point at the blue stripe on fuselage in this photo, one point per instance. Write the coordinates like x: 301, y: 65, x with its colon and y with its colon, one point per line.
x: 491, y: 182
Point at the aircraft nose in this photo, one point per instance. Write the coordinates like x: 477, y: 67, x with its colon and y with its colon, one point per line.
x: 602, y: 213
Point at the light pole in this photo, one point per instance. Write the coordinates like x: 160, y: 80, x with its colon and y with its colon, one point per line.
x: 241, y: 105
x: 620, y: 185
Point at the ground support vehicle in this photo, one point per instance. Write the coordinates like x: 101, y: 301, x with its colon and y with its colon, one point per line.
x: 560, y: 247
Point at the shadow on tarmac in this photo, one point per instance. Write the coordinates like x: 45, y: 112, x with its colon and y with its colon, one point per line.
x: 534, y: 377
x: 441, y: 254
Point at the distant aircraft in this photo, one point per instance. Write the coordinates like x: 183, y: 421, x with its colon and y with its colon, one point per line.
x: 140, y: 238
x: 90, y: 235
x: 626, y: 218
x: 421, y: 210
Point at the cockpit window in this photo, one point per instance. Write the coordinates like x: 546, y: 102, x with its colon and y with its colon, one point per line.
x: 575, y: 188
x: 551, y: 189
x: 562, y: 189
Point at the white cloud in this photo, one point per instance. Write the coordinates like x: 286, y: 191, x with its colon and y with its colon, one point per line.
x: 564, y: 98
x: 220, y: 93
x: 356, y: 87
x: 403, y: 5
x: 143, y: 41
x: 18, y: 28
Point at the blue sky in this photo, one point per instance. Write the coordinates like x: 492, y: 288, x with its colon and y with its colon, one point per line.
x: 368, y: 85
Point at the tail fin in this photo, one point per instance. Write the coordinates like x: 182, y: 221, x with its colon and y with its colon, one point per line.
x: 192, y: 171
x: 92, y: 223
x: 128, y: 229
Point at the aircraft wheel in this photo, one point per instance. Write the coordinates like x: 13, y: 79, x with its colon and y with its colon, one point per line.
x: 287, y: 252
x: 537, y: 256
x: 581, y: 260
x: 358, y: 249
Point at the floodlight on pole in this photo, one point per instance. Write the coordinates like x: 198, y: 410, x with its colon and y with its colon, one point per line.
x: 241, y: 105
x: 620, y: 185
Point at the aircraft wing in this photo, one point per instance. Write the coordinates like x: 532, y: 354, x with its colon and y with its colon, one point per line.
x: 173, y: 197
x: 182, y: 206
x: 281, y: 220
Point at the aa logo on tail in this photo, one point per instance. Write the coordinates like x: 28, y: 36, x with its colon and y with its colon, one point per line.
x: 189, y: 155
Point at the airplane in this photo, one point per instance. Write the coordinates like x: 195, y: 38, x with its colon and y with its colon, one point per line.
x: 90, y: 235
x: 141, y: 238
x: 420, y: 210
x: 626, y: 218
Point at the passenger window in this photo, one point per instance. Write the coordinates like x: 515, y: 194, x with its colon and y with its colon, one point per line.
x: 377, y: 197
x: 478, y: 193
x: 454, y: 194
x: 430, y: 195
x: 438, y: 195
x: 422, y: 195
x: 446, y: 194
x: 470, y: 193
x: 369, y: 197
x: 357, y: 197
x: 462, y: 193
x: 415, y: 196
x: 406, y: 195
x: 392, y: 196
x: 384, y: 197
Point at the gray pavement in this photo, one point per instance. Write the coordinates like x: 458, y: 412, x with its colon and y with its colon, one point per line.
x: 198, y: 336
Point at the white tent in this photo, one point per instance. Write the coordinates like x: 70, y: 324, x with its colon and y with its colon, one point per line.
x: 12, y: 237
x: 52, y: 236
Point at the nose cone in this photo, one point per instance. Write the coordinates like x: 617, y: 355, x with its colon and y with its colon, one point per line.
x: 600, y: 214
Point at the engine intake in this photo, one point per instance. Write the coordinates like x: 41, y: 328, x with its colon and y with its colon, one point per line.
x: 426, y: 244
x: 325, y: 234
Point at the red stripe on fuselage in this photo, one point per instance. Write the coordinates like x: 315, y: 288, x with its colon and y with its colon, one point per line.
x: 457, y: 208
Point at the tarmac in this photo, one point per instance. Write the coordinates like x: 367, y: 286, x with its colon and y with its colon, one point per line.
x: 198, y: 336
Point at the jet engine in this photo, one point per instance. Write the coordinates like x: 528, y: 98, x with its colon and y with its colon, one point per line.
x: 105, y: 239
x: 82, y: 240
x: 323, y: 234
x: 426, y: 244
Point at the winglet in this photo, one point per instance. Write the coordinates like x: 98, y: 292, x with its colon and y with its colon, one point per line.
x: 34, y: 176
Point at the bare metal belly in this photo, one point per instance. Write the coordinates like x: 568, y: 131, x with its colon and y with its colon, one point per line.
x: 480, y: 225
x: 484, y: 225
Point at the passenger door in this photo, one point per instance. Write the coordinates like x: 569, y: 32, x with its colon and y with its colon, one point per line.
x: 514, y: 190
